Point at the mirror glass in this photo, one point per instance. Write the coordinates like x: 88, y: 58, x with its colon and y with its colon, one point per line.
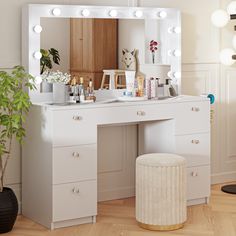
x: 89, y: 48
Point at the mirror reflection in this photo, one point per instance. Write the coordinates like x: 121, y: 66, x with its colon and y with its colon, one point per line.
x: 100, y: 50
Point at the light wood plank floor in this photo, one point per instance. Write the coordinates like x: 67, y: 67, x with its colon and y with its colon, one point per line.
x: 118, y: 218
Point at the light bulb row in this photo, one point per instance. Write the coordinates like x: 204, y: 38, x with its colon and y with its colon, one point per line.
x: 111, y: 13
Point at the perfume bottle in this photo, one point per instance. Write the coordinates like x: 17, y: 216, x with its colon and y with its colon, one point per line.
x: 81, y: 90
x: 72, y: 90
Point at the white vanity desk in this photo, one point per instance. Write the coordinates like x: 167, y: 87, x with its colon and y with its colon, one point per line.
x: 60, y: 152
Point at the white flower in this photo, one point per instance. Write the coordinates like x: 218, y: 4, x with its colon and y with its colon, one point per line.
x: 55, y: 77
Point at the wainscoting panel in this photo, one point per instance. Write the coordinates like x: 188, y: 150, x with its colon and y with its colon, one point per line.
x: 227, y: 129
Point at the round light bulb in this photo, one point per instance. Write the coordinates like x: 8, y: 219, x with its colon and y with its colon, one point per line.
x: 177, y: 30
x: 85, y: 12
x: 226, y: 56
x: 177, y: 53
x: 38, y: 80
x: 231, y: 9
x: 170, y: 30
x: 138, y: 13
x: 162, y: 14
x: 177, y: 74
x: 113, y: 13
x: 169, y: 74
x: 220, y: 18
x: 38, y: 29
x: 37, y: 55
x: 56, y: 11
x: 234, y: 42
x: 170, y: 53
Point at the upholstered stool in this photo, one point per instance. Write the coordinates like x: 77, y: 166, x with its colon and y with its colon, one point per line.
x: 161, y: 191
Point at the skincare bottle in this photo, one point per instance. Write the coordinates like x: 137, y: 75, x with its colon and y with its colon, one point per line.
x: 153, y: 88
x: 171, y: 89
x: 140, y: 81
x: 81, y: 90
x: 72, y: 91
x: 76, y: 96
x: 130, y: 80
x: 148, y: 88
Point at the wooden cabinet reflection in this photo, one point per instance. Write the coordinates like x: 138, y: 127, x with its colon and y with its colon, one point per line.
x: 93, y: 48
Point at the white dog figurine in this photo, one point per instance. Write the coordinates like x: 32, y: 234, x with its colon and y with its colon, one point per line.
x: 128, y: 60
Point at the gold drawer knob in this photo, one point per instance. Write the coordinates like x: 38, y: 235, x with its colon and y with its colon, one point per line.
x: 77, y: 117
x: 75, y: 154
x: 141, y: 113
x: 195, y: 109
x: 195, y: 141
x: 74, y: 190
x: 194, y: 174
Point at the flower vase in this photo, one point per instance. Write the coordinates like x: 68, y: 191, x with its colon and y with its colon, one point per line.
x: 46, y: 87
x: 153, y: 57
x: 60, y: 93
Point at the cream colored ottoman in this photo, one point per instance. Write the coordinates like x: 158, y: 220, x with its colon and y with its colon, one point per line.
x: 161, y: 191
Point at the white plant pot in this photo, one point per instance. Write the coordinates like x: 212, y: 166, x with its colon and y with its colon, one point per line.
x: 60, y: 93
x: 46, y: 87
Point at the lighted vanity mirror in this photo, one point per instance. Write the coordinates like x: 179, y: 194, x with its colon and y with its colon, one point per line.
x: 91, y: 39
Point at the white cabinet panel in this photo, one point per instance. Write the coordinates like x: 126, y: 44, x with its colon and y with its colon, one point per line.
x: 74, y: 163
x: 198, y: 118
x: 198, y: 182
x: 75, y: 200
x: 195, y: 148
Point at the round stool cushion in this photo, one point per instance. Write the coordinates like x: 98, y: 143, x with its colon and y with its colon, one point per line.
x: 160, y: 159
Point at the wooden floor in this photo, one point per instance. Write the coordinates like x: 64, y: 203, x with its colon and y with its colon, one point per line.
x: 118, y: 218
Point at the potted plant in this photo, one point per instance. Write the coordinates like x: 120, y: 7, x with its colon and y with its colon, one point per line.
x: 59, y: 81
x: 49, y: 57
x: 14, y: 105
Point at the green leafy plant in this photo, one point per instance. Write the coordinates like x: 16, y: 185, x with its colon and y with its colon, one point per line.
x: 14, y: 105
x: 47, y: 59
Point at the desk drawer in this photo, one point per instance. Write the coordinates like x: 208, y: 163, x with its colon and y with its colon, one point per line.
x: 74, y: 127
x: 135, y: 113
x: 198, y: 182
x: 72, y: 164
x: 195, y: 148
x: 192, y: 117
x: 75, y: 200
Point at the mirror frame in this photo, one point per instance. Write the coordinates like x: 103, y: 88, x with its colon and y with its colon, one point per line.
x: 32, y: 14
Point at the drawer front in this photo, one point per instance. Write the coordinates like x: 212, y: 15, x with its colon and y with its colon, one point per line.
x: 135, y: 113
x: 75, y: 200
x: 74, y: 127
x: 80, y: 163
x: 192, y: 117
x: 195, y: 148
x: 198, y: 182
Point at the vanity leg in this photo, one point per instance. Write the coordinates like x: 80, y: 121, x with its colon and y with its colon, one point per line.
x: 94, y: 219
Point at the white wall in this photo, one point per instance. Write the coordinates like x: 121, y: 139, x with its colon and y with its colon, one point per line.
x: 201, y: 69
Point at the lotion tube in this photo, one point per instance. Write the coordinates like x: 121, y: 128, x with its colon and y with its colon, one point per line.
x: 130, y: 80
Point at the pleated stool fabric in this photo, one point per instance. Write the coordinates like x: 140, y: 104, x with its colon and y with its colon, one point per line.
x: 161, y: 191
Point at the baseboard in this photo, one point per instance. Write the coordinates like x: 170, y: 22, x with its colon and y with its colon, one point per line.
x: 116, y: 194
x: 223, y: 177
